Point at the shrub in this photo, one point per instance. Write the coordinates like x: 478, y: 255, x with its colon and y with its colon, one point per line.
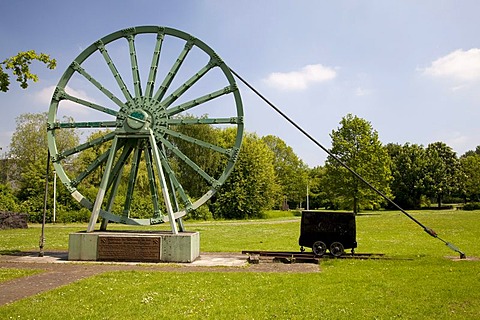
x: 64, y: 216
x: 472, y: 206
x: 201, y: 213
x: 297, y: 213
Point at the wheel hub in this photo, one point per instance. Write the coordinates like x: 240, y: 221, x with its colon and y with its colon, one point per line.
x: 137, y: 120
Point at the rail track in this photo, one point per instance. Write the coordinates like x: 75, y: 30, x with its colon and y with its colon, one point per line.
x: 255, y: 256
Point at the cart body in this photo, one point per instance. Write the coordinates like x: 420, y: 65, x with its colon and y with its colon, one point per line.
x: 328, y: 227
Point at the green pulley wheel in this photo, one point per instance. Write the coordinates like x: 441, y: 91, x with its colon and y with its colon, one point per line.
x: 160, y: 124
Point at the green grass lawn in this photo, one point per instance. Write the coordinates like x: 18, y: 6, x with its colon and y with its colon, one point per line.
x: 427, y: 285
x: 11, y: 273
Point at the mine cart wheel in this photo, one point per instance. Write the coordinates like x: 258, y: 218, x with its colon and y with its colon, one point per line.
x: 337, y: 249
x: 319, y: 248
x: 302, y: 249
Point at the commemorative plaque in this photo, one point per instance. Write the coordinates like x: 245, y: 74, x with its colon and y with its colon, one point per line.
x: 128, y: 248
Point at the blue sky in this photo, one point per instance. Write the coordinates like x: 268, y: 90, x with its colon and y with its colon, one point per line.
x: 411, y: 68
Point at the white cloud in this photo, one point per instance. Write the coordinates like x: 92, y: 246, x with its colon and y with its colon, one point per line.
x: 44, y: 96
x: 463, y: 66
x: 300, y: 80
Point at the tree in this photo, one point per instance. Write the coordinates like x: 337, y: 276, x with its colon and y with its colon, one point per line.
x: 441, y: 171
x: 29, y: 141
x: 251, y: 187
x: 28, y: 156
x: 290, y: 171
x: 472, y: 152
x: 20, y: 66
x: 316, y: 188
x: 470, y: 168
x: 357, y: 145
x: 408, y: 167
x: 8, y: 201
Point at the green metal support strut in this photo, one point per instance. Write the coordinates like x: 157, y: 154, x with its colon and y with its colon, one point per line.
x: 428, y: 230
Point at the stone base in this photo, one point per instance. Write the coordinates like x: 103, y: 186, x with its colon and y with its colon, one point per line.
x: 134, y: 246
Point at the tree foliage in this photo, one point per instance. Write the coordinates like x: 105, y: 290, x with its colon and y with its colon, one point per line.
x: 472, y: 152
x: 408, y: 168
x: 251, y: 187
x: 27, y: 162
x: 28, y: 145
x: 291, y: 172
x: 470, y: 168
x: 441, y: 171
x: 357, y: 145
x: 20, y: 67
x: 8, y: 201
x: 266, y: 171
x: 317, y: 189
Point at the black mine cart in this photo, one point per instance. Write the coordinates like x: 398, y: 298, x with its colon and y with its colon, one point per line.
x: 320, y: 230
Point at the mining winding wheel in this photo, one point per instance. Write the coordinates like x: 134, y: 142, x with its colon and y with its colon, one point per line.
x: 152, y: 123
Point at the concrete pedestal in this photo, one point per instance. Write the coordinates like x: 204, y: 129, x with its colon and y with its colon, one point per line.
x: 134, y: 246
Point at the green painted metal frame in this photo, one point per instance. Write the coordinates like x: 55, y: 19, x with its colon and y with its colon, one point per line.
x: 149, y: 137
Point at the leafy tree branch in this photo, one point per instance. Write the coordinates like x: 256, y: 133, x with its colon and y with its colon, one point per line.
x: 20, y: 68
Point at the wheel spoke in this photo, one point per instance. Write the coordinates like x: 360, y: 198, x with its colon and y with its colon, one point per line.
x: 154, y: 65
x: 198, y: 142
x: 153, y: 185
x: 115, y: 179
x: 176, y: 186
x: 85, y: 146
x: 114, y: 191
x: 173, y: 72
x: 112, y: 196
x: 187, y: 85
x: 62, y: 95
x: 113, y: 69
x: 103, y: 186
x: 232, y: 120
x: 193, y: 103
x: 134, y: 63
x: 132, y: 179
x: 212, y: 181
x: 97, y: 84
x: 88, y: 125
x: 120, y: 164
x: 94, y: 165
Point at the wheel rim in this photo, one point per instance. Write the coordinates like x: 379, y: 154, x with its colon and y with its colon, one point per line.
x: 147, y: 121
x: 337, y: 249
x: 319, y: 248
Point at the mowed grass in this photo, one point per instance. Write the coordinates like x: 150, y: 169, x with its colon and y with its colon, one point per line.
x: 12, y: 273
x: 419, y: 282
